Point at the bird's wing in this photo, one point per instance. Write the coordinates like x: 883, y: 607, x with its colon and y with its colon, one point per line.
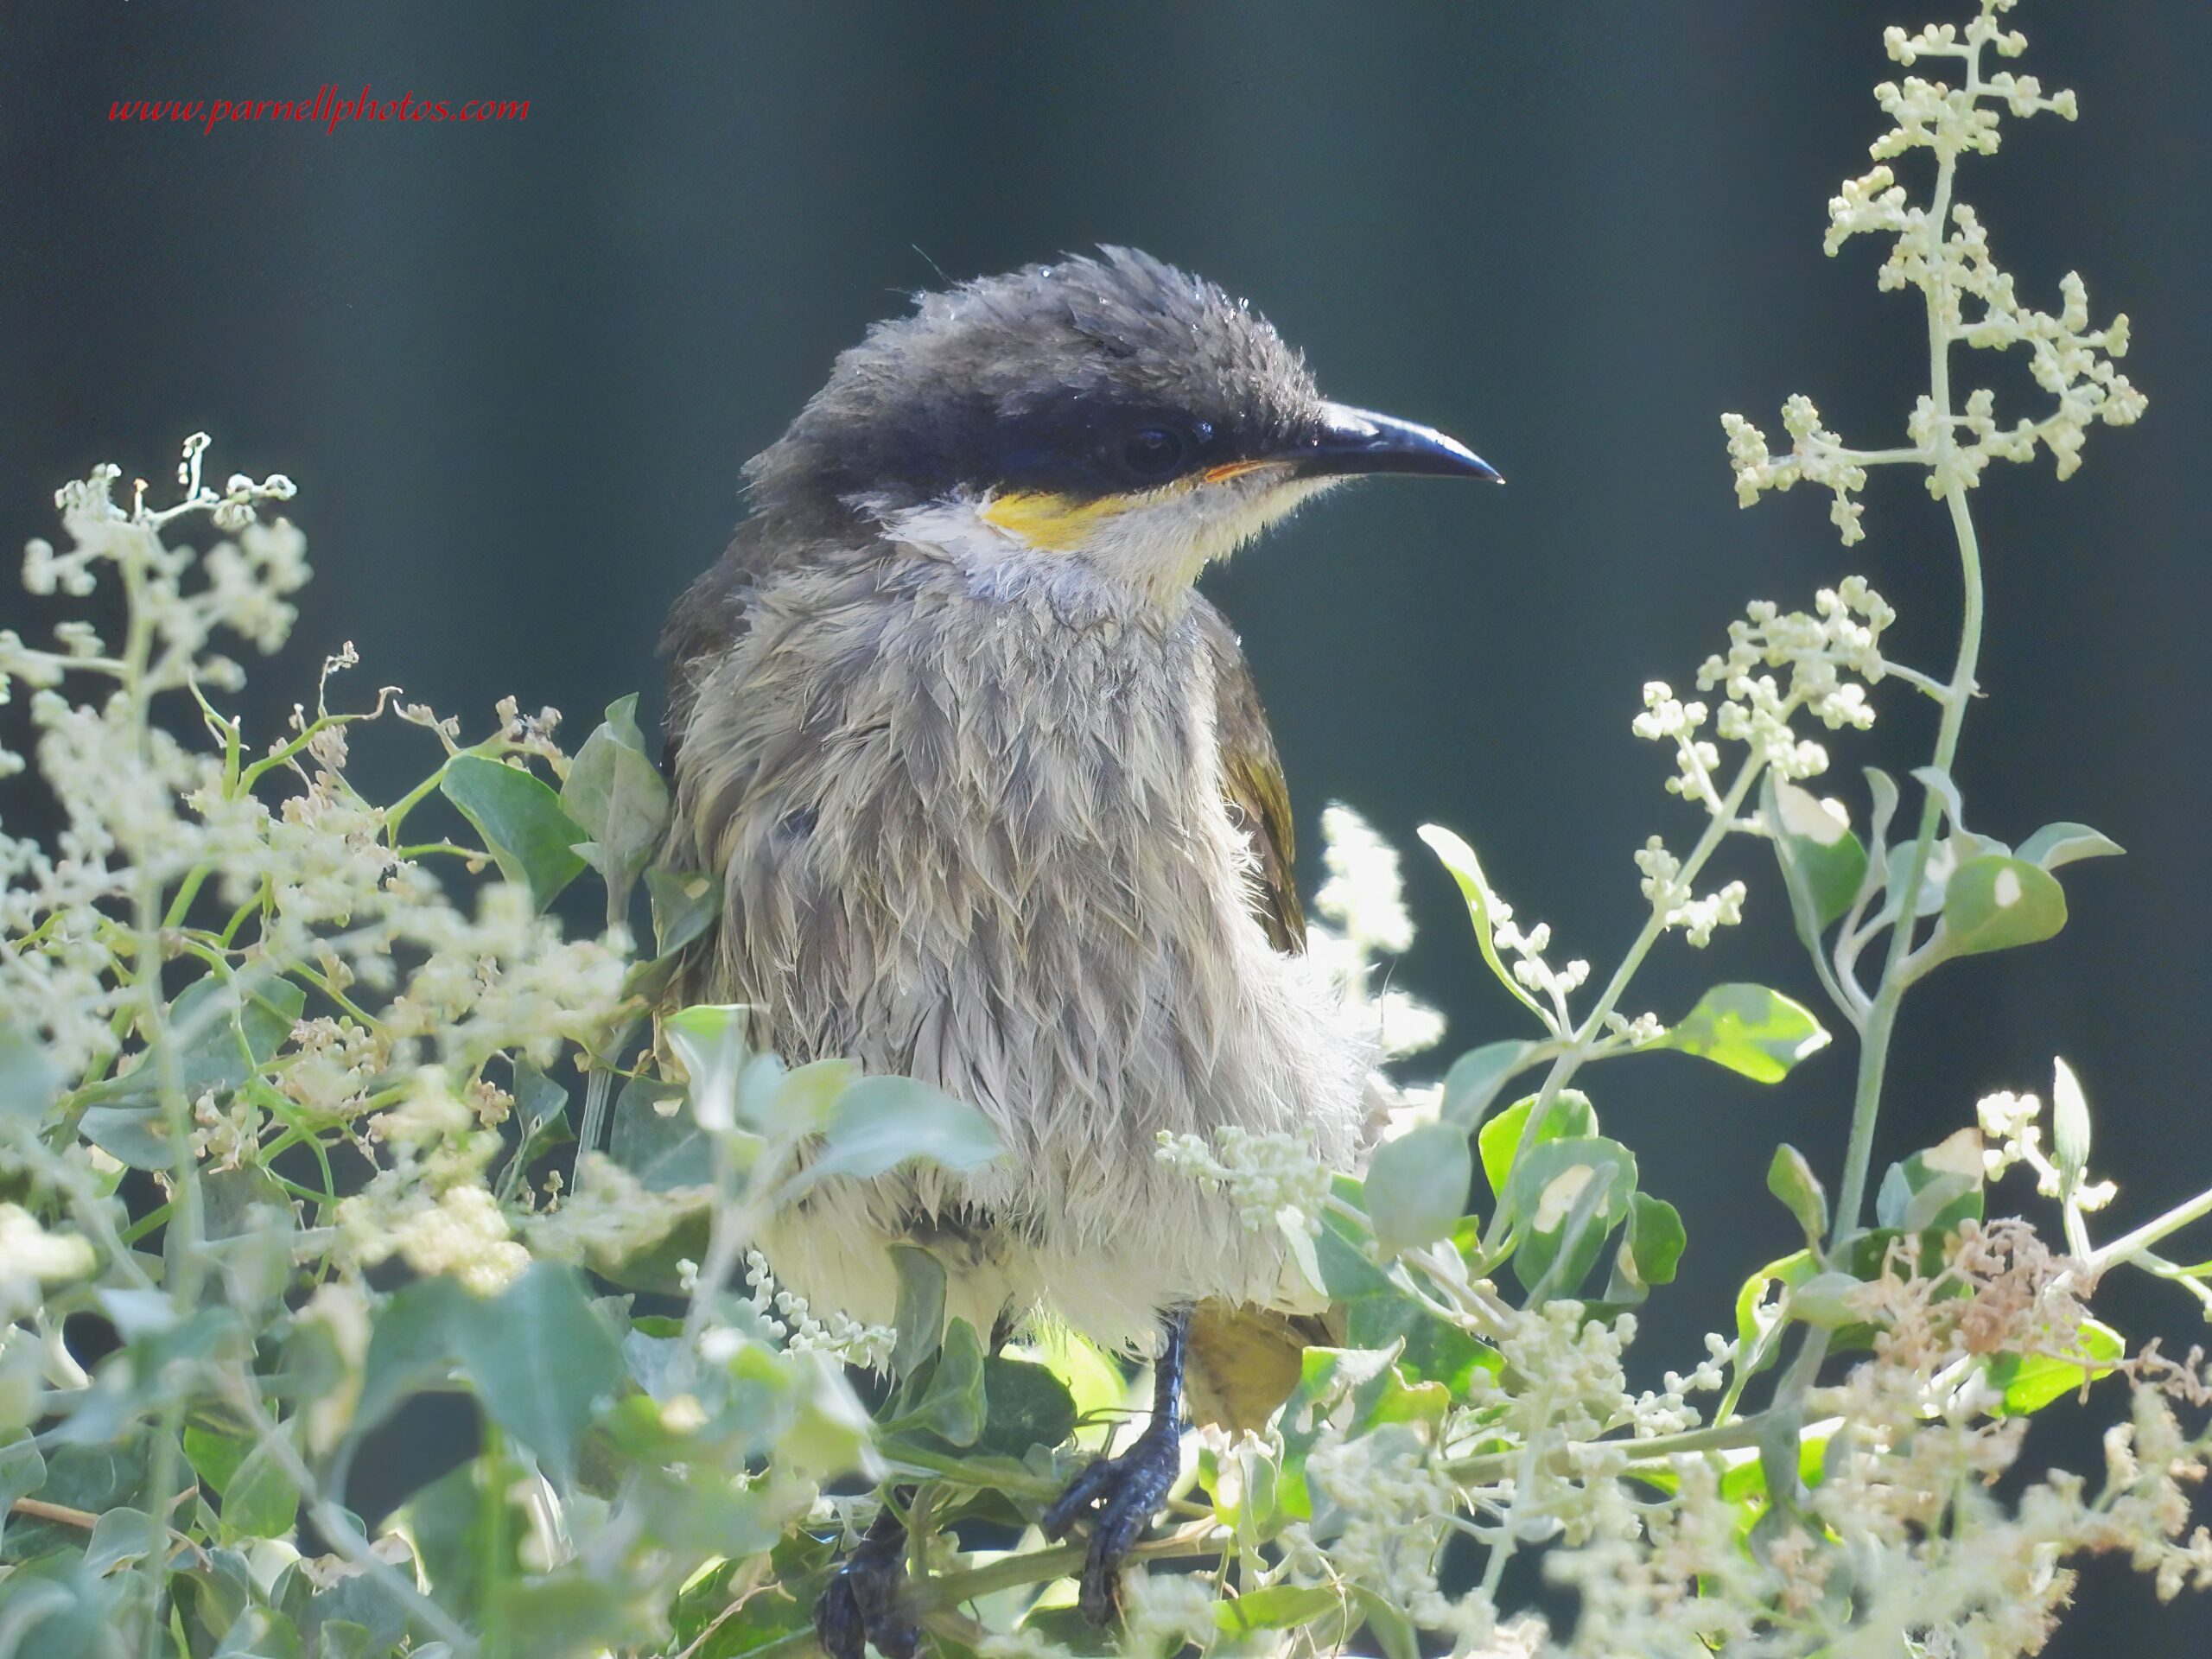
x: 702, y: 628
x: 1251, y: 775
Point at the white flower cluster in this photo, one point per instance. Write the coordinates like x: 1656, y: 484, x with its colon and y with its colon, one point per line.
x: 1529, y: 967
x: 1679, y: 906
x: 1364, y: 900
x: 1264, y: 1175
x: 1829, y: 656
x: 31, y: 1258
x: 1389, y: 1508
x: 787, y: 1317
x: 1942, y: 250
x: 1365, y: 894
x: 2011, y: 1135
x: 428, y: 1204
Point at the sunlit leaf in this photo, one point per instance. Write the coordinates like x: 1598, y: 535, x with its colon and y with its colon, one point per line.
x: 1568, y: 1115
x: 2031, y: 1382
x: 2061, y: 844
x: 1482, y: 907
x: 1818, y: 851
x: 1790, y: 1178
x: 1473, y: 1083
x: 1994, y: 903
x: 1936, y: 1190
x: 523, y: 827
x: 1277, y: 1607
x: 881, y: 1122
x: 1656, y: 1238
x: 1750, y: 1029
x: 1417, y: 1185
x: 2069, y: 1124
x: 1568, y: 1195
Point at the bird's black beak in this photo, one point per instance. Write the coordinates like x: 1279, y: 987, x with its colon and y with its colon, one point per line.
x: 1351, y: 442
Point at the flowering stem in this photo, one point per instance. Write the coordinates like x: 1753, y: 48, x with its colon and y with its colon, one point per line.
x: 1563, y: 1069
x: 1881, y: 1017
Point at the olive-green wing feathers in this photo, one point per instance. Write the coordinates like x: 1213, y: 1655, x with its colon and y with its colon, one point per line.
x: 1251, y: 776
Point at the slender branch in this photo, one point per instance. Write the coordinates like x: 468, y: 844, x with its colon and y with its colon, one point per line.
x: 2130, y: 1244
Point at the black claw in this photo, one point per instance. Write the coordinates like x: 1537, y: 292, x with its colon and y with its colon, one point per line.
x: 1125, y: 1491
x: 861, y: 1603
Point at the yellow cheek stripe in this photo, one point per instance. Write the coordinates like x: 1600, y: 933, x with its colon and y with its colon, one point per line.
x: 1055, y: 523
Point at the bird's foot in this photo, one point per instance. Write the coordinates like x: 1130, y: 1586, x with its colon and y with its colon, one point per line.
x: 862, y: 1602
x: 1121, y: 1494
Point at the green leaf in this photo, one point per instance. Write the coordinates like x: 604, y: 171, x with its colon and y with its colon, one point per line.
x: 525, y: 829
x: 1417, y: 1185
x: 410, y: 1346
x: 222, y: 1033
x: 1482, y: 907
x: 1940, y: 783
x: 1277, y: 1607
x: 1393, y: 1633
x: 1655, y: 1238
x: 1025, y: 1406
x: 1933, y: 1191
x: 2061, y: 844
x: 1817, y: 850
x: 953, y: 1406
x: 136, y: 1135
x: 29, y: 1082
x: 1826, y: 1299
x: 22, y: 1470
x: 615, y: 794
x: 2031, y: 1382
x: 709, y: 1039
x: 93, y: 1478
x: 1993, y: 903
x: 1748, y: 1029
x: 2069, y: 1125
x: 1568, y: 1116
x: 1790, y: 1178
x: 919, y: 1320
x: 540, y: 1357
x: 881, y: 1122
x: 542, y: 1118
x: 685, y: 904
x: 118, y: 1536
x: 1758, y: 1323
x: 1568, y: 1195
x: 1881, y: 789
x: 657, y: 1140
x: 1475, y: 1079
x: 259, y: 1501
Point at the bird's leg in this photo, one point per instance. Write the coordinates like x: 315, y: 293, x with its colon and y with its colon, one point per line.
x: 1127, y: 1491
x: 861, y: 1603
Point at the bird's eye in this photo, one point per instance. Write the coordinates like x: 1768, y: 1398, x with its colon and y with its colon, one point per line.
x: 1154, y: 452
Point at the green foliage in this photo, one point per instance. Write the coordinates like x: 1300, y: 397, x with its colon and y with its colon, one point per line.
x: 1750, y: 1029
x: 307, y: 1112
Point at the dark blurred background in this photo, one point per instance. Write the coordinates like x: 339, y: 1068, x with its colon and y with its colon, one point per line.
x: 515, y: 368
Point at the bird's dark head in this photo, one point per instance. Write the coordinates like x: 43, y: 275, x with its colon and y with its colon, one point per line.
x: 1111, y: 408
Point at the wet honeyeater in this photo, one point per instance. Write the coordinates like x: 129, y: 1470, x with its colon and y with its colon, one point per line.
x: 994, y: 806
